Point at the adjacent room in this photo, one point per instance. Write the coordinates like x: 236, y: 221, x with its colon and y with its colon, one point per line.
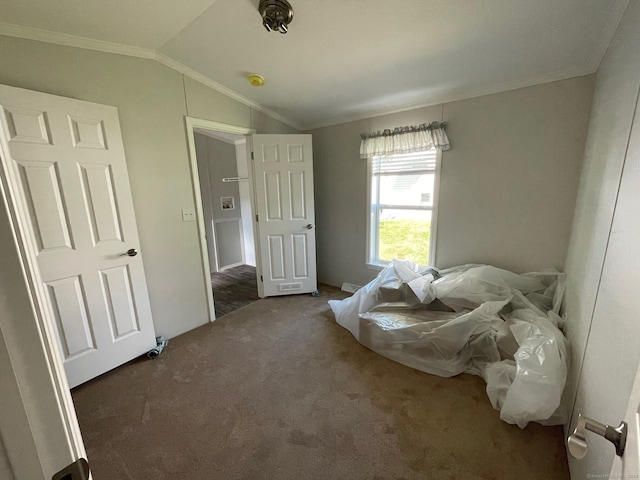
x: 270, y: 239
x: 226, y: 208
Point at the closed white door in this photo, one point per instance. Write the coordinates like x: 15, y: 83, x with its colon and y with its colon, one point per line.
x: 613, y: 350
x: 285, y: 227
x: 66, y: 169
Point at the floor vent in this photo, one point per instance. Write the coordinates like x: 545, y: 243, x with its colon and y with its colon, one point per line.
x: 287, y: 287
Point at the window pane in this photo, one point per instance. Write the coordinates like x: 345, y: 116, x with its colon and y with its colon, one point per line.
x: 405, y: 234
x: 416, y: 189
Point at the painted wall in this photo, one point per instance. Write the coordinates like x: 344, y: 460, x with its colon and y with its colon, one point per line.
x: 508, y: 184
x: 6, y: 473
x: 221, y: 160
x: 152, y: 101
x: 614, y: 103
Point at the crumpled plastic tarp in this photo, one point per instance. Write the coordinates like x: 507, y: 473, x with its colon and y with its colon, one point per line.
x: 477, y: 319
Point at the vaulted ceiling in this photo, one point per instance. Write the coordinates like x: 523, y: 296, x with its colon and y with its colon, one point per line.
x: 342, y: 59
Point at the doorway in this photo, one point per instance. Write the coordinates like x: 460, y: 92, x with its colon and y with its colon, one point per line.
x: 223, y: 201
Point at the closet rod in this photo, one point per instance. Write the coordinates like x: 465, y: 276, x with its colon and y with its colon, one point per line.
x: 234, y: 179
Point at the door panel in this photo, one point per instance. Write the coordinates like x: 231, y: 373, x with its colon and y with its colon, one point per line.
x: 285, y: 230
x: 612, y: 354
x: 118, y: 294
x: 273, y: 195
x: 100, y: 202
x: 41, y: 183
x: 298, y: 196
x: 70, y: 309
x: 276, y: 257
x: 67, y: 172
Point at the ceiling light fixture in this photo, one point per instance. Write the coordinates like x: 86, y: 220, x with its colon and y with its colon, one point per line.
x: 276, y: 15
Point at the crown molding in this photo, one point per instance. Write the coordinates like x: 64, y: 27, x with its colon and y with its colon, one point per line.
x: 462, y: 94
x: 47, y: 36
x: 609, y: 31
x: 199, y: 77
x: 73, y: 41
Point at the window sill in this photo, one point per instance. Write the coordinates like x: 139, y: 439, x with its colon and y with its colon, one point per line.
x: 376, y: 266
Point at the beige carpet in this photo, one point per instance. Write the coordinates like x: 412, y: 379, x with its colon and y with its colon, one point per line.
x: 277, y: 390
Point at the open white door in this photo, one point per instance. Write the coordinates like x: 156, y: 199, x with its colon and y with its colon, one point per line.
x: 67, y: 175
x: 608, y: 380
x: 628, y: 466
x: 285, y: 215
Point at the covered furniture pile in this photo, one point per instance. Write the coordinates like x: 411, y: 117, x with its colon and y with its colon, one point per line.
x: 477, y: 319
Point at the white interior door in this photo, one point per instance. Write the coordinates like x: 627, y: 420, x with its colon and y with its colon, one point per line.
x: 285, y: 226
x: 67, y: 173
x: 613, y: 350
x: 628, y: 466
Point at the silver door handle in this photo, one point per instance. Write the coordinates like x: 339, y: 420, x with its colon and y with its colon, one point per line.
x: 132, y: 252
x: 309, y: 227
x: 577, y: 442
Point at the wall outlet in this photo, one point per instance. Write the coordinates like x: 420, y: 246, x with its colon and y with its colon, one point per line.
x: 188, y: 215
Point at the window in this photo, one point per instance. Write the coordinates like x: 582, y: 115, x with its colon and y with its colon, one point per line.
x: 403, y: 195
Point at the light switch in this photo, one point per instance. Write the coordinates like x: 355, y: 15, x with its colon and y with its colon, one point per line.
x: 188, y: 215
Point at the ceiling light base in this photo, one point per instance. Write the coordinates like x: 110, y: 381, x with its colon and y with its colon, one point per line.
x: 276, y: 15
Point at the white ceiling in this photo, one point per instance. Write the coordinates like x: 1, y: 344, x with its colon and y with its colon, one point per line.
x: 343, y: 59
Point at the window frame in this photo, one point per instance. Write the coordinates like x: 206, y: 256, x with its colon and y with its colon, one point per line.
x: 373, y: 225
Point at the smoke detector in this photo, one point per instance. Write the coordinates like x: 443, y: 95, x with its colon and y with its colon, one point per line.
x: 255, y: 80
x: 276, y: 15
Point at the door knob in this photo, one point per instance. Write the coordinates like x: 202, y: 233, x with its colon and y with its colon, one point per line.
x: 132, y: 252
x: 309, y: 227
x: 577, y: 442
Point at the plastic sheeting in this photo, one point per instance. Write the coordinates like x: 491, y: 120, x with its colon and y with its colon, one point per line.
x: 477, y: 319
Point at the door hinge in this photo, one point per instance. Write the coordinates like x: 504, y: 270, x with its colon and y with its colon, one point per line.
x: 257, y: 218
x: 252, y: 158
x: 261, y: 278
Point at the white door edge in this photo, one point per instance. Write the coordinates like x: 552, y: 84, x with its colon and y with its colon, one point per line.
x: 628, y: 466
x: 31, y: 386
x: 256, y: 224
x: 191, y: 123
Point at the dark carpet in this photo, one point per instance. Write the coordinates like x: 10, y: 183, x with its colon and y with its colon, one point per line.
x: 277, y: 390
x: 234, y: 288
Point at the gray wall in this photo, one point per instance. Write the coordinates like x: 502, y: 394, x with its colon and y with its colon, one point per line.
x: 220, y: 158
x: 6, y: 473
x: 614, y: 103
x: 152, y: 101
x: 508, y: 184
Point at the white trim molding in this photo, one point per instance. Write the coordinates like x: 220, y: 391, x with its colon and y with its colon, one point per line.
x: 462, y: 94
x: 598, y: 53
x: 199, y: 77
x: 191, y: 124
x: 47, y: 36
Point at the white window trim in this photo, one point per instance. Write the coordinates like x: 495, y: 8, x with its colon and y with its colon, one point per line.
x: 370, y: 254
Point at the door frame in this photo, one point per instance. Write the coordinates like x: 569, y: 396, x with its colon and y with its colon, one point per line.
x: 192, y: 123
x: 43, y: 420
